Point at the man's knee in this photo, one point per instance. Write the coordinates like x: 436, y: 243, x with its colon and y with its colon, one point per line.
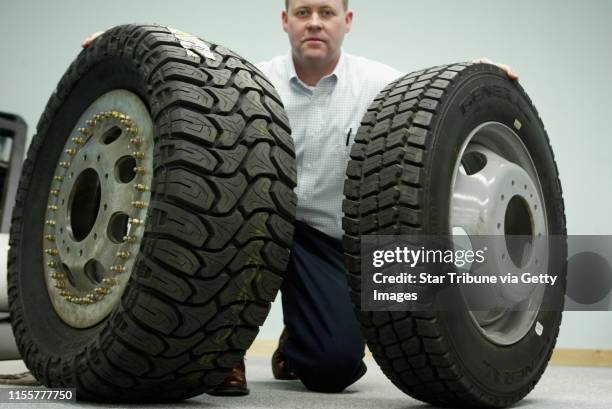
x: 332, y: 371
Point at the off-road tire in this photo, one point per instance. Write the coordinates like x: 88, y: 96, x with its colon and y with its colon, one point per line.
x: 217, y: 231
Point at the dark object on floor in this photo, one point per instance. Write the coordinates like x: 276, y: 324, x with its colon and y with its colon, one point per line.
x: 279, y: 368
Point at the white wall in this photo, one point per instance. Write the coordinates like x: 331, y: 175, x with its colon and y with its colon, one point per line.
x: 561, y: 49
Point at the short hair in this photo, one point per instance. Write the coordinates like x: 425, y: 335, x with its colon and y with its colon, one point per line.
x: 344, y: 3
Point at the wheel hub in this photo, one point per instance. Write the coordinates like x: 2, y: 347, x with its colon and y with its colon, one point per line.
x: 96, y: 208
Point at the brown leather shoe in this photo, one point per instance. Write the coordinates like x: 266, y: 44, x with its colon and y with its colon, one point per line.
x: 279, y: 370
x: 235, y: 384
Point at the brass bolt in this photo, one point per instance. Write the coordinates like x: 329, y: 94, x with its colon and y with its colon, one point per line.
x: 52, y: 264
x: 52, y: 208
x: 117, y: 269
x: 78, y: 141
x: 71, y: 152
x: 85, y: 131
x: 141, y: 188
x: 130, y: 239
x: 58, y: 178
x: 57, y: 275
x: 136, y: 141
x: 101, y: 290
x: 109, y: 281
x: 139, y: 155
x: 123, y: 254
x: 49, y: 237
x: 136, y: 222
x: 60, y: 285
x: 132, y: 130
x: 52, y: 252
x: 55, y: 192
x: 64, y: 164
x: 65, y: 294
x: 139, y: 170
x: 139, y: 205
x: 50, y: 222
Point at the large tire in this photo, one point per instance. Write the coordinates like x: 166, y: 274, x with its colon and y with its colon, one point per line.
x: 401, y: 179
x: 202, y: 248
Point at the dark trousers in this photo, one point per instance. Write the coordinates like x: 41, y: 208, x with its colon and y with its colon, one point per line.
x: 325, y: 347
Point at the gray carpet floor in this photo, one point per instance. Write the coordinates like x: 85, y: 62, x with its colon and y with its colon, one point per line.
x: 561, y: 387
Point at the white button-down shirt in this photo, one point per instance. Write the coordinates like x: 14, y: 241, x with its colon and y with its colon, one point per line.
x: 324, y: 120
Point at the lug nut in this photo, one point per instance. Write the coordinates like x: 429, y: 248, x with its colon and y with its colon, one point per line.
x: 101, y: 290
x: 138, y: 155
x: 141, y: 187
x: 139, y: 205
x: 117, y: 269
x: 58, y: 178
x: 50, y: 222
x: 55, y: 192
x: 78, y: 141
x: 49, y: 237
x: 123, y: 254
x: 130, y: 239
x: 64, y: 164
x: 139, y: 170
x: 71, y: 152
x: 52, y: 264
x: 52, y: 208
x: 52, y: 252
x: 57, y: 275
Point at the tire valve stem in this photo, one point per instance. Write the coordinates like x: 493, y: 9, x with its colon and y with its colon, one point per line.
x: 58, y: 178
x: 139, y: 205
x: 52, y: 252
x: 78, y: 141
x: 71, y: 152
x: 123, y: 254
x: 139, y: 155
x: 141, y: 188
x: 130, y: 239
x: 64, y: 164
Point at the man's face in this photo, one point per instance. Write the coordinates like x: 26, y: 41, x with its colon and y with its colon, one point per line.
x: 316, y: 28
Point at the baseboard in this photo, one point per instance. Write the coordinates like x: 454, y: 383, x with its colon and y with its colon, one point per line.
x: 561, y: 356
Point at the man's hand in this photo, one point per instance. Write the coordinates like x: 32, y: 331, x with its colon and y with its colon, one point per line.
x: 87, y: 42
x: 511, y: 74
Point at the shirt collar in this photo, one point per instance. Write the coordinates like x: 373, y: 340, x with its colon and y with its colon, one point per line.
x: 334, y: 77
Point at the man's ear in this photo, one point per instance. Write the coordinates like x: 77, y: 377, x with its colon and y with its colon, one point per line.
x: 284, y: 18
x: 348, y: 19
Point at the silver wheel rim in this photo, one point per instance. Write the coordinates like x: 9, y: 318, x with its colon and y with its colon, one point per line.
x: 496, y: 191
x: 96, y: 208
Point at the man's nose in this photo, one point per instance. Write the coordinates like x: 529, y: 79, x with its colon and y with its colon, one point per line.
x: 314, y: 23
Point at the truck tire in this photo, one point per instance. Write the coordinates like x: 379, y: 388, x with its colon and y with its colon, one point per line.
x: 153, y: 218
x: 423, y: 143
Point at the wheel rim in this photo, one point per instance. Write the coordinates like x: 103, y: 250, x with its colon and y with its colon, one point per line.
x: 496, y: 191
x: 96, y: 208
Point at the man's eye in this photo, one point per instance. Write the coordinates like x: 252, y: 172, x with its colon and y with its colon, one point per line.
x: 327, y: 13
x: 301, y: 13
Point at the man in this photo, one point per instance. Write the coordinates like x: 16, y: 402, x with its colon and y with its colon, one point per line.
x: 325, y: 92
